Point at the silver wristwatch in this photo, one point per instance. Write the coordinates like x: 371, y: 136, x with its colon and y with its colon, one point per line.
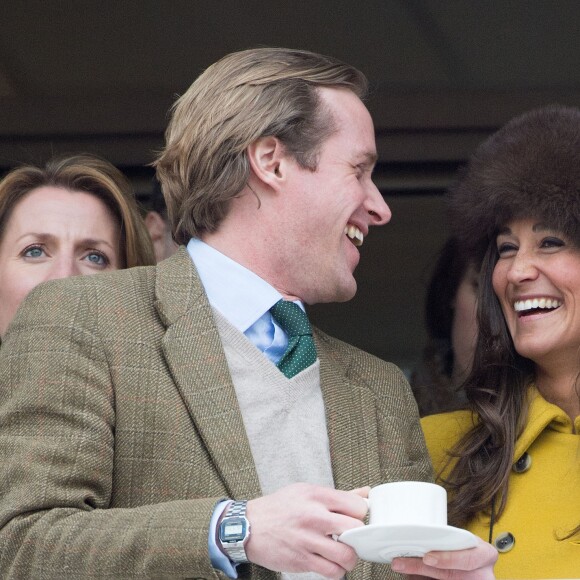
x: 234, y: 531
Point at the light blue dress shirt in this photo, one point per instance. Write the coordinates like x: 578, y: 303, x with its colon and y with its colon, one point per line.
x: 244, y: 299
x: 241, y: 296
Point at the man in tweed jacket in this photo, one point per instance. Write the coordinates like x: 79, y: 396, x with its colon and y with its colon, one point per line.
x: 129, y: 401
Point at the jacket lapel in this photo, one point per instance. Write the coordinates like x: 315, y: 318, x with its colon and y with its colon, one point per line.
x: 351, y: 421
x: 195, y: 357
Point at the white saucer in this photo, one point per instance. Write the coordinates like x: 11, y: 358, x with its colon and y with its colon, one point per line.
x: 378, y: 543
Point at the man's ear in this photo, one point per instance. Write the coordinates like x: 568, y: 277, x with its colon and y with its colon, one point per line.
x: 268, y: 160
x: 156, y: 225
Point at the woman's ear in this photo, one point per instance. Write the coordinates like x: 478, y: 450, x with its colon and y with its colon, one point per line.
x: 267, y: 159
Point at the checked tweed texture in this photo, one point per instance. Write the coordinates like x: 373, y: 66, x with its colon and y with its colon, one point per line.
x: 120, y: 429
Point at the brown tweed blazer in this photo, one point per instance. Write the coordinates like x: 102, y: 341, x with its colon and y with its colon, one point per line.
x: 120, y: 428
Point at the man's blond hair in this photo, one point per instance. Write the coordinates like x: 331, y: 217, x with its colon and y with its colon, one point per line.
x: 242, y: 97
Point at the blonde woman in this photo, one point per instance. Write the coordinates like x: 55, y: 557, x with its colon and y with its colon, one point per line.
x: 74, y: 216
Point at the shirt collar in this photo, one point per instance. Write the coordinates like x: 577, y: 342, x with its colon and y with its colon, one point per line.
x: 239, y: 294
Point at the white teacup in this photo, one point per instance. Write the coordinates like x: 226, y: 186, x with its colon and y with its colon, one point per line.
x: 406, y: 519
x: 408, y: 503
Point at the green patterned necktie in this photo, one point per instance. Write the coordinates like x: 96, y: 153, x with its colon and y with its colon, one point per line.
x: 301, y: 352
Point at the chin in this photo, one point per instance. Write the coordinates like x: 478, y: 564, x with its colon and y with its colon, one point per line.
x: 344, y: 293
x: 533, y: 352
x: 325, y: 289
x: 325, y: 296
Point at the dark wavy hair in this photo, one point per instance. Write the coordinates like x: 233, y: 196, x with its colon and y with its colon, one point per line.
x: 528, y: 169
x: 432, y: 382
x: 496, y: 390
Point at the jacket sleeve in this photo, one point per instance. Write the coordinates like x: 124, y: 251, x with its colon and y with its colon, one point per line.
x: 57, y: 450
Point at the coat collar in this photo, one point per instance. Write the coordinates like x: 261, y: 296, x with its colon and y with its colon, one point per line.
x: 197, y: 362
x: 541, y: 415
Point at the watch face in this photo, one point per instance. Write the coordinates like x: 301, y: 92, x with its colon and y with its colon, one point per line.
x: 233, y: 529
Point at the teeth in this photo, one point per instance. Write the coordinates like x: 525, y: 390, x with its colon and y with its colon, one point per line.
x: 354, y: 234
x: 524, y: 305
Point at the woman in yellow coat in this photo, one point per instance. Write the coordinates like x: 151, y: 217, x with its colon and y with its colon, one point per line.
x: 511, y: 463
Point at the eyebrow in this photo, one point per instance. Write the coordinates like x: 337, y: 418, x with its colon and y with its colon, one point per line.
x: 368, y: 158
x: 539, y: 227
x: 44, y: 237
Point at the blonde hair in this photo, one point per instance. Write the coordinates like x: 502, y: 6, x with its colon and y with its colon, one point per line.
x: 89, y: 174
x: 242, y: 97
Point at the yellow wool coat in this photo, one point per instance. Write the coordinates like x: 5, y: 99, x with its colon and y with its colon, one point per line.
x: 544, y: 491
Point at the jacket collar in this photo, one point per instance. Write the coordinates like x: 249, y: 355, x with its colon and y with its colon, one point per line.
x: 197, y: 362
x: 541, y: 415
x: 177, y: 287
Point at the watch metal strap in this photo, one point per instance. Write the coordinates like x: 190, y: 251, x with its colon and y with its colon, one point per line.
x: 237, y: 508
x: 237, y: 553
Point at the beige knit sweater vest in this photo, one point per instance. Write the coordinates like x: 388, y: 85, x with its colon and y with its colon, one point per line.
x: 284, y: 418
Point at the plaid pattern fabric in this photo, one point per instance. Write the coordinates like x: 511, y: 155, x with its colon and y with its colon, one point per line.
x: 120, y: 428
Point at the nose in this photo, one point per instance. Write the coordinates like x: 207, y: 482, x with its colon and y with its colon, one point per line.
x: 376, y: 207
x: 64, y: 268
x: 522, y: 268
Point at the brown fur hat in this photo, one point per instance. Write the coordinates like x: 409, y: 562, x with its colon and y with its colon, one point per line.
x: 529, y: 168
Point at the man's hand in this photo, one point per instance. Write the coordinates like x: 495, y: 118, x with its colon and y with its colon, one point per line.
x: 473, y: 564
x: 292, y: 529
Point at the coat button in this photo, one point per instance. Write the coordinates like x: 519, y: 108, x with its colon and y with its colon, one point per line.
x: 523, y: 463
x: 504, y: 542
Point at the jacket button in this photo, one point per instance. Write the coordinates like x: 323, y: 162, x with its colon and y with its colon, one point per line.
x: 523, y: 463
x: 504, y: 542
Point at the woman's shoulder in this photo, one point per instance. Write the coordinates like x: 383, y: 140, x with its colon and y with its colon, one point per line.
x: 448, y: 424
x: 442, y: 432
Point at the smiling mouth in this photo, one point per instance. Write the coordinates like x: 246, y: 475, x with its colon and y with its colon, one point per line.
x: 354, y: 235
x: 536, y: 306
